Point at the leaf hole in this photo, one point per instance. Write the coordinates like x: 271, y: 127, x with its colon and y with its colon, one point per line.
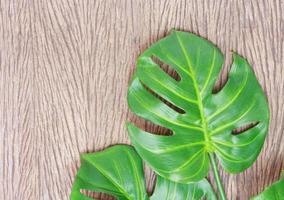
x: 220, y: 84
x: 221, y: 81
x: 97, y: 195
x: 244, y: 128
x: 166, y: 68
x: 172, y: 106
x: 157, y: 130
x: 152, y: 128
x: 150, y: 178
x: 224, y: 74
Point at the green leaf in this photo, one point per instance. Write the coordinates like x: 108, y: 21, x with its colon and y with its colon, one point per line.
x: 274, y: 192
x: 118, y: 171
x: 168, y: 190
x: 209, y: 119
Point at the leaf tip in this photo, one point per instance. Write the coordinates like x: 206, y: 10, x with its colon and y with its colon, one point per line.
x: 83, y: 156
x: 235, y: 55
x: 238, y: 58
x: 173, y: 30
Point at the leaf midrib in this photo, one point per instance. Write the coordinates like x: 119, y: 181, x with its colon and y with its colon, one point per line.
x: 199, y: 100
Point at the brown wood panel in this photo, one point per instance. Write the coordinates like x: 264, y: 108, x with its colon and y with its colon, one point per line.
x: 64, y: 70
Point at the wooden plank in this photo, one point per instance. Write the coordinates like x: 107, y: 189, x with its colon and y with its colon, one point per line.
x: 64, y: 70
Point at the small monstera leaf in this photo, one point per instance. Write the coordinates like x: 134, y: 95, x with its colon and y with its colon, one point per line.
x: 169, y: 190
x: 274, y: 192
x: 118, y: 171
x: 204, y: 122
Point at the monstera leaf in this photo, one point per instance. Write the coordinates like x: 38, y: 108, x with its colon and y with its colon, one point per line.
x: 274, y: 192
x: 202, y: 123
x: 118, y: 171
x: 168, y: 190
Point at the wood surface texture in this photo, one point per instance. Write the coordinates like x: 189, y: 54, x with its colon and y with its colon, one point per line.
x: 64, y: 70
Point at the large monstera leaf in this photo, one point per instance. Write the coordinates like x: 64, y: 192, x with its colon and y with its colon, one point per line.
x: 118, y: 171
x: 207, y: 123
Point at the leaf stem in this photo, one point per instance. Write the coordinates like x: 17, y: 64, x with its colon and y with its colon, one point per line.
x: 217, y: 177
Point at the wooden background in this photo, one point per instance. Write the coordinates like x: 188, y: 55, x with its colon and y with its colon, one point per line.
x: 64, y: 70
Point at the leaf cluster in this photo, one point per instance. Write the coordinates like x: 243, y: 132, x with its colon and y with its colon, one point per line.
x: 202, y: 123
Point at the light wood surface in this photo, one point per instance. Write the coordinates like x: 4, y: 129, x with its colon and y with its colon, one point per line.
x: 64, y: 70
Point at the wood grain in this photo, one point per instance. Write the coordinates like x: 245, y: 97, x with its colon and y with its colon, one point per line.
x: 64, y: 70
